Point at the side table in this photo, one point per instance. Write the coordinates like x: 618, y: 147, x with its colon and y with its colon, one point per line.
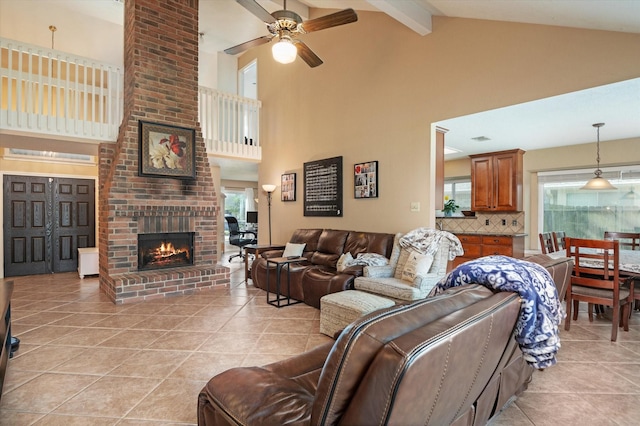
x: 88, y: 261
x: 256, y: 249
x: 279, y: 300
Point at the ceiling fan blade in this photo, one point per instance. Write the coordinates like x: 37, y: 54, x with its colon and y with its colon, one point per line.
x: 307, y: 54
x: 346, y: 16
x: 248, y: 45
x: 257, y: 10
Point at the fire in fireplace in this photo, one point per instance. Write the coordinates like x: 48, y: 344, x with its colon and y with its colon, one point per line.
x: 165, y: 250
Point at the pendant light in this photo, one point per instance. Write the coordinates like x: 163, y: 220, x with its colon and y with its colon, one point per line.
x: 598, y: 182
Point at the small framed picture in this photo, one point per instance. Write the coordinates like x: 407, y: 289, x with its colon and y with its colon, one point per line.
x: 365, y: 179
x: 166, y: 151
x: 288, y: 187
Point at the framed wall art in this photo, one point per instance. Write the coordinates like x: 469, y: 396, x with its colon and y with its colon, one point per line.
x: 365, y: 179
x: 288, y: 187
x: 323, y: 187
x: 166, y: 151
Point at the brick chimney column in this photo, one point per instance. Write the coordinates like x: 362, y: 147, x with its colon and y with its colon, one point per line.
x: 160, y: 86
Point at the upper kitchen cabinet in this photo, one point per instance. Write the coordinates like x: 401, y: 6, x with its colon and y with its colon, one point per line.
x: 496, y: 181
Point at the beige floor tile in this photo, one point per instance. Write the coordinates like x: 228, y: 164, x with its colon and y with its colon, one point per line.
x: 46, y: 392
x: 121, y: 321
x: 98, y: 361
x: 46, y: 334
x: 180, y: 340
x: 240, y: 343
x: 622, y: 409
x: 281, y: 344
x: 70, y: 420
x: 13, y: 418
x: 203, y: 366
x: 43, y: 358
x: 173, y: 400
x: 81, y: 320
x: 551, y: 409
x: 134, y: 339
x: 202, y: 323
x: 86, y: 337
x: 150, y: 363
x: 109, y: 396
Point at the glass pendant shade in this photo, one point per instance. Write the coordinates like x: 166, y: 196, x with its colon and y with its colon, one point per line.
x: 284, y: 51
x: 598, y: 182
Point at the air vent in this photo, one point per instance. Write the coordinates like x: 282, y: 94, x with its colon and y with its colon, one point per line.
x: 481, y: 138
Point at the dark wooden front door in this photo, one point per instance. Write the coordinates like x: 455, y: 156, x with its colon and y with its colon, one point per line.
x: 46, y: 220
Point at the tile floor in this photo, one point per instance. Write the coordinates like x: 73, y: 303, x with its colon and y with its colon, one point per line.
x: 85, y: 361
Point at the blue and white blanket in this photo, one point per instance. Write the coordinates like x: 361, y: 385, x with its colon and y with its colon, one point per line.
x: 540, y: 312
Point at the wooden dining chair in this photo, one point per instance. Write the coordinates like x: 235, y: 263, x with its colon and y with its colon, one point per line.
x: 546, y: 242
x: 559, y: 240
x: 596, y: 280
x: 628, y: 240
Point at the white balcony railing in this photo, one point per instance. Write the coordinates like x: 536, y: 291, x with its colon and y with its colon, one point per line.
x: 54, y: 94
x: 51, y: 92
x: 230, y: 124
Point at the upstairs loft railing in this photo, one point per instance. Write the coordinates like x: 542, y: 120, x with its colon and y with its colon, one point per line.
x: 230, y: 124
x: 58, y: 95
x: 50, y: 92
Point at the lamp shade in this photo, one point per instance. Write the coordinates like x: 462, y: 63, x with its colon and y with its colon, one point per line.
x: 268, y: 187
x: 284, y: 51
x: 598, y: 183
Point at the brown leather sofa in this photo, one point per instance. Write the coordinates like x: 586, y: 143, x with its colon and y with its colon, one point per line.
x: 439, y: 361
x: 318, y: 276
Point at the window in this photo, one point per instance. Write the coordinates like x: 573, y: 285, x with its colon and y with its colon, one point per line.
x: 458, y: 189
x: 580, y: 213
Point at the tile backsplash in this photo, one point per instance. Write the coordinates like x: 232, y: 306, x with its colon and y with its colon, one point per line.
x: 507, y: 223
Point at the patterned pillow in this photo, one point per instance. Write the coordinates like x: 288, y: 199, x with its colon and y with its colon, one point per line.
x: 370, y: 259
x: 344, y: 261
x: 417, y: 264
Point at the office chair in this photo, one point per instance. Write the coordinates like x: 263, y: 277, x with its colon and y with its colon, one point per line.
x: 239, y: 238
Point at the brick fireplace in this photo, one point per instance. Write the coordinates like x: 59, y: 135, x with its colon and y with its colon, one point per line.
x: 161, y: 86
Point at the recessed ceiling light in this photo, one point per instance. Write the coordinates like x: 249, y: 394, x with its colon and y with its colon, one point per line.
x: 481, y: 138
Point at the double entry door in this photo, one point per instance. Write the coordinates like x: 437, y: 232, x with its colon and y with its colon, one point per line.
x: 46, y: 220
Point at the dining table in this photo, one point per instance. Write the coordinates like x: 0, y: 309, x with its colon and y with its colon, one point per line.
x: 629, y: 261
x: 629, y: 265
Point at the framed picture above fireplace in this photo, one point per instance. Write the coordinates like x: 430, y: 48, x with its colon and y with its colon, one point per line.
x: 166, y: 151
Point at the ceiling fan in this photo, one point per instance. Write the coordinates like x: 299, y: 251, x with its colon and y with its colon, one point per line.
x: 286, y: 25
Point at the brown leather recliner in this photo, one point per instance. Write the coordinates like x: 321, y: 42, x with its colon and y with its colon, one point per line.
x: 451, y: 359
x: 317, y: 276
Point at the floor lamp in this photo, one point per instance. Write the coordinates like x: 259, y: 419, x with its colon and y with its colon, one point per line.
x: 268, y: 188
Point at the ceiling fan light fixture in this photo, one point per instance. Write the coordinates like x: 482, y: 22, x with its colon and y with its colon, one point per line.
x: 598, y: 182
x: 284, y: 51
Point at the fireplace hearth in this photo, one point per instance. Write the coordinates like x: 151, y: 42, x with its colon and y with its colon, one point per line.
x: 165, y: 250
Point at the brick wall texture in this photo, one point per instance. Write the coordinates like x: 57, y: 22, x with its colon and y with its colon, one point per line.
x: 160, y: 86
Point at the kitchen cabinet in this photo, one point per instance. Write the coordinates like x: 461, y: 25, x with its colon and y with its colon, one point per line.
x: 480, y: 245
x: 496, y: 181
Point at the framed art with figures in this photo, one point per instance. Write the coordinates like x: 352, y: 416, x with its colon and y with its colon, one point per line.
x: 166, y: 151
x: 365, y: 179
x: 288, y: 187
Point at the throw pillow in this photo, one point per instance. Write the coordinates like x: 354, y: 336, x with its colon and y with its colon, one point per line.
x: 293, y: 250
x: 344, y: 261
x: 417, y: 264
